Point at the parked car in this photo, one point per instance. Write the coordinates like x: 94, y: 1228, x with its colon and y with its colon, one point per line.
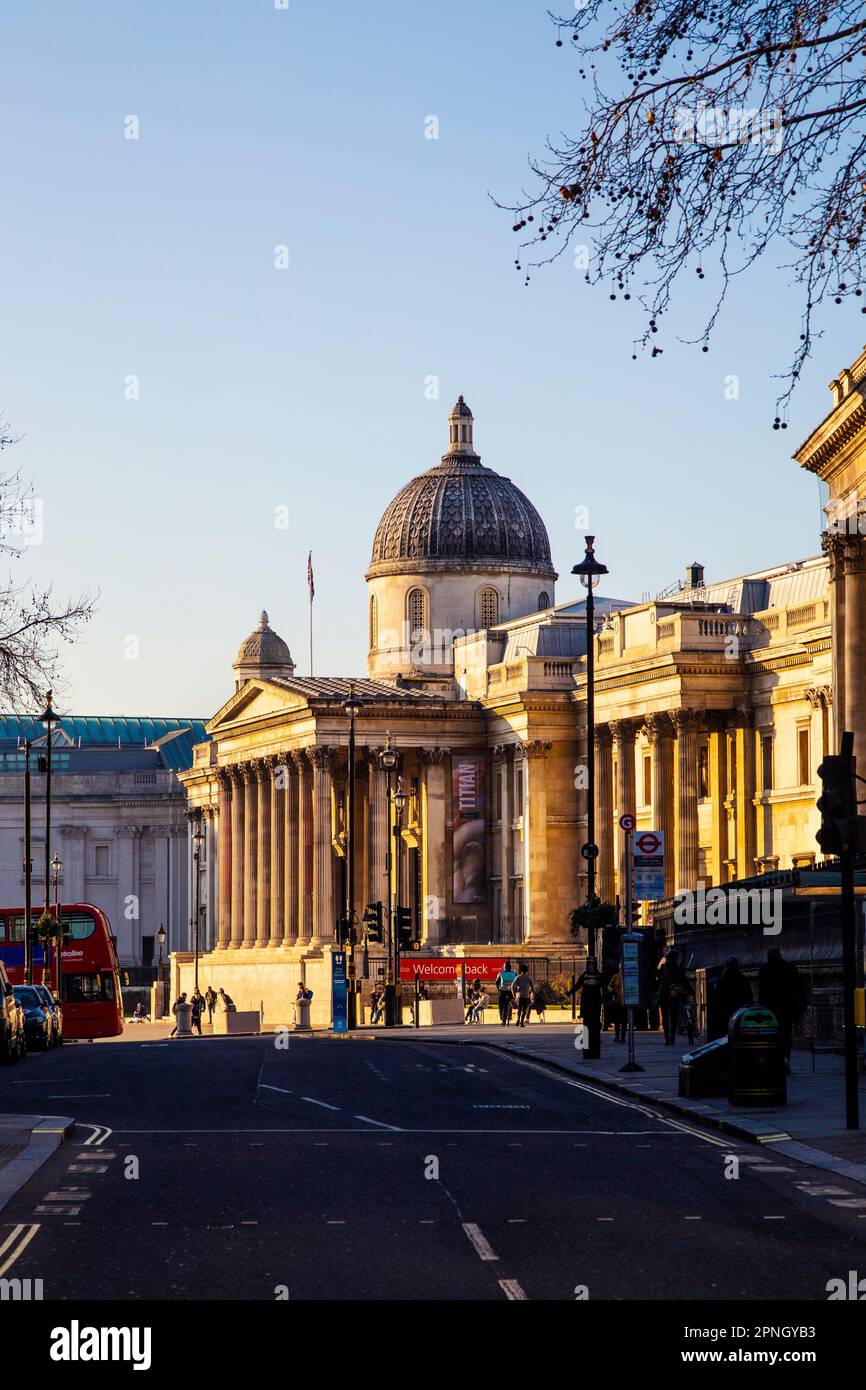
x: 54, y: 1009
x: 37, y: 1016
x: 13, y: 1039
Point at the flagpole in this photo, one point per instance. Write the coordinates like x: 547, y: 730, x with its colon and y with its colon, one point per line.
x: 311, y: 588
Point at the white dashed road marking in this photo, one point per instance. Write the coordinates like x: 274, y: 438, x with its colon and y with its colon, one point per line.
x: 512, y: 1289
x: 323, y: 1103
x: 381, y: 1124
x: 482, y: 1246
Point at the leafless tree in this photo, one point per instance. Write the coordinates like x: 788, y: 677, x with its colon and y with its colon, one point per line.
x: 32, y: 624
x: 710, y: 132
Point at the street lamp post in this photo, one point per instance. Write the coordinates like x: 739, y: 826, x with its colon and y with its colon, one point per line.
x: 198, y: 841
x: 48, y: 717
x: 388, y: 759
x: 399, y: 808
x: 160, y: 936
x: 590, y: 571
x: 56, y: 866
x: 28, y: 871
x: 351, y: 709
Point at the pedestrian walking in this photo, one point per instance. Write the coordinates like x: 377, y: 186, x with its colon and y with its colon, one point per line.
x: 732, y: 992
x: 210, y: 999
x: 619, y: 1014
x: 377, y: 1003
x: 674, y: 990
x: 504, y: 984
x: 198, y: 1008
x: 181, y: 999
x: 522, y: 989
x: 782, y: 991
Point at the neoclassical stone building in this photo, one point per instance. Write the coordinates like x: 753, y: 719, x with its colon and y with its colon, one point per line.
x: 714, y: 707
x: 471, y: 675
x: 713, y: 712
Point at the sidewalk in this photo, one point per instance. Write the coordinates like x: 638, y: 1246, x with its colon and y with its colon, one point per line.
x: 26, y: 1141
x: 810, y: 1127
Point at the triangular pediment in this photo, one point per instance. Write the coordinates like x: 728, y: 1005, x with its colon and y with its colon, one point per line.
x: 256, y: 699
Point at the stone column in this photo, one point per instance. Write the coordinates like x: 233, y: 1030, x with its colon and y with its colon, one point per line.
x: 659, y: 731
x: 262, y: 774
x: 718, y: 795
x: 506, y: 859
x: 278, y: 781
x: 535, y: 834
x: 743, y: 724
x: 291, y: 863
x: 434, y: 861
x: 323, y: 854
x: 305, y: 849
x: 128, y: 924
x: 238, y: 857
x: 224, y: 911
x: 238, y: 862
x: 605, y: 883
x: 377, y: 830
x: 73, y: 853
x: 855, y: 644
x: 686, y: 725
x: 623, y: 731
x: 251, y: 896
x: 835, y: 547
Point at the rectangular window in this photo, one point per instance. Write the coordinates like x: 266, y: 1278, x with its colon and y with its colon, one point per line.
x: 767, y: 762
x: 101, y: 861
x: 88, y: 989
x: 804, y: 772
x: 647, y: 780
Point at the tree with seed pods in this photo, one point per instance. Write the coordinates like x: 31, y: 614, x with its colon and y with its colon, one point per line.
x: 712, y: 135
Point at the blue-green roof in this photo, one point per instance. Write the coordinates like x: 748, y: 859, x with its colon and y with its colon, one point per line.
x: 174, y: 737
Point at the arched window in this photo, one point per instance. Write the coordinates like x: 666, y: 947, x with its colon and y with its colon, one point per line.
x: 543, y: 601
x: 416, y: 612
x: 374, y: 623
x: 488, y: 608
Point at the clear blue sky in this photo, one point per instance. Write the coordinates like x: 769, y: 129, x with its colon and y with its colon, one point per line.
x: 261, y: 388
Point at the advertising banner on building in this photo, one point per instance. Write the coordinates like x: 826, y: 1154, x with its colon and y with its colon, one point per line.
x: 469, y: 815
x: 435, y: 969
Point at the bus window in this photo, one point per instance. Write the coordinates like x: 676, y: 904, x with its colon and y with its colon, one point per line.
x: 15, y: 928
x: 88, y: 989
x: 78, y: 926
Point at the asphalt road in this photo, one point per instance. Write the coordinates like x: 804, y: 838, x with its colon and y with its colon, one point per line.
x: 229, y: 1168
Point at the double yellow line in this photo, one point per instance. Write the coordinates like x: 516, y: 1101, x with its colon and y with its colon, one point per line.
x: 15, y: 1244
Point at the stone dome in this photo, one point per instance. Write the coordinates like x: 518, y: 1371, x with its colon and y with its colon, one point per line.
x: 263, y: 653
x: 460, y: 514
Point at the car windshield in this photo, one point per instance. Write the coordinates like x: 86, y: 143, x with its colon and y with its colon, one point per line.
x: 28, y: 997
x: 45, y: 994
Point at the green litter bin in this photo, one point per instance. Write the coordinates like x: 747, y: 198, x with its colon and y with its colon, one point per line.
x: 756, y: 1059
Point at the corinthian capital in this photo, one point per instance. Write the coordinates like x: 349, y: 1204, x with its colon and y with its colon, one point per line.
x: 687, y: 721
x: 656, y: 726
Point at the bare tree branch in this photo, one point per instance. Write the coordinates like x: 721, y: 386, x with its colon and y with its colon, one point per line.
x: 710, y: 132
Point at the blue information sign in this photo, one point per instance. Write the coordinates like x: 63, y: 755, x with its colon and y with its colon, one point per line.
x: 339, y: 992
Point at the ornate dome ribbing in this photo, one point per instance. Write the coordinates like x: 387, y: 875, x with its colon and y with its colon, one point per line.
x: 263, y: 647
x: 460, y: 513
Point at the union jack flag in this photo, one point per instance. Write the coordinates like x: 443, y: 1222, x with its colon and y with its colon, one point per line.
x: 310, y: 584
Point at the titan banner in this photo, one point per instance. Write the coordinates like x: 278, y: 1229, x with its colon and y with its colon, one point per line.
x: 468, y: 778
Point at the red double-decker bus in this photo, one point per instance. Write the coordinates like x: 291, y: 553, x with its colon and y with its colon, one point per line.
x: 90, y: 978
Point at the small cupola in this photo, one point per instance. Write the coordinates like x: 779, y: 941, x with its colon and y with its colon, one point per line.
x: 460, y: 423
x: 263, y: 654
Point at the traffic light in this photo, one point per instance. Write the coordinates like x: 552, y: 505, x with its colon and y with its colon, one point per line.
x: 837, y: 804
x: 404, y: 927
x: 373, y: 922
x: 342, y: 931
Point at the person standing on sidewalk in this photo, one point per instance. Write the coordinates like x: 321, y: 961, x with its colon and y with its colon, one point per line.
x: 782, y: 991
x: 210, y: 999
x: 504, y: 983
x: 619, y: 1015
x: 674, y: 990
x: 522, y: 991
x: 198, y: 1006
x: 732, y: 992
